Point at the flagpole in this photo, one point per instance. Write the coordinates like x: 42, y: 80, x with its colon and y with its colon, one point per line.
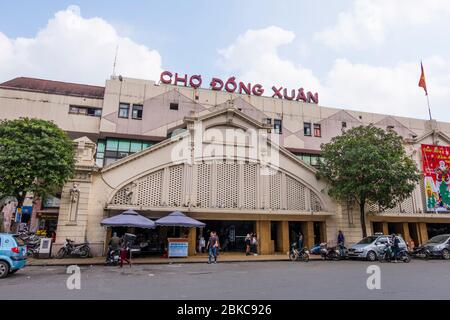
x: 429, y: 109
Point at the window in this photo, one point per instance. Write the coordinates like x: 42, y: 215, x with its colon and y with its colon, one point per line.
x: 277, y: 126
x: 344, y: 124
x: 86, y: 111
x: 317, y: 130
x: 173, y: 106
x: 268, y: 121
x: 113, y: 149
x: 124, y: 109
x: 390, y: 128
x: 312, y: 159
x: 307, y: 128
x: 136, y: 112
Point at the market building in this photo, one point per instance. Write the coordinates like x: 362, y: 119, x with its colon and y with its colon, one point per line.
x: 228, y: 156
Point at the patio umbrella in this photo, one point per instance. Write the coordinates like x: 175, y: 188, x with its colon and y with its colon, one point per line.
x: 178, y: 219
x: 129, y: 218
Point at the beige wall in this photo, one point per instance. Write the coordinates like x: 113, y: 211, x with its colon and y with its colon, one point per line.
x: 18, y: 103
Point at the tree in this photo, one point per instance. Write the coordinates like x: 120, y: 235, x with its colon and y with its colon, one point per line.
x: 35, y: 156
x: 368, y: 165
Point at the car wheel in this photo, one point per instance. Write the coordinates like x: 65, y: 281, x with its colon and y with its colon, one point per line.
x: 371, y: 256
x: 446, y: 254
x: 4, y: 269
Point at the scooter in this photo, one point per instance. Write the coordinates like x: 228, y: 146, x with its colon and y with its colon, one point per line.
x: 113, y: 257
x: 75, y: 250
x: 329, y: 253
x: 422, y: 252
x: 296, y: 255
x: 387, y: 254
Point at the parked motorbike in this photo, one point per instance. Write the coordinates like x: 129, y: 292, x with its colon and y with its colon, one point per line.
x: 81, y: 250
x: 298, y: 255
x: 422, y: 252
x: 113, y: 257
x: 387, y: 254
x: 328, y: 253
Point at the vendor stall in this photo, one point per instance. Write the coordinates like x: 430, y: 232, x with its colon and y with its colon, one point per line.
x: 178, y: 247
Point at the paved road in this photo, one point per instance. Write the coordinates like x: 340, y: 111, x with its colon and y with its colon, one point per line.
x: 247, y: 280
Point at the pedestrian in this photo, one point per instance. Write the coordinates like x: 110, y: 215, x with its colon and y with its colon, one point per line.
x: 248, y: 242
x: 411, y: 245
x: 255, y: 244
x: 341, y: 243
x: 300, y: 240
x: 201, y: 244
x: 212, y: 246
x: 396, y: 246
x: 124, y: 253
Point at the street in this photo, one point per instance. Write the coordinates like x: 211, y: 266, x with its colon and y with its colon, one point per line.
x: 244, y: 280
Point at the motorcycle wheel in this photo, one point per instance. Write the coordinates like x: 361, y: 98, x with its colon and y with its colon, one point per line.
x: 85, y: 252
x: 61, y: 253
x: 305, y: 257
x: 406, y: 258
x: 292, y: 256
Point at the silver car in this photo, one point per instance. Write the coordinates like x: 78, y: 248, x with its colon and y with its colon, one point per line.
x: 371, y: 247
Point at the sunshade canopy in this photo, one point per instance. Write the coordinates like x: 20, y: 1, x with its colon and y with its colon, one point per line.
x: 178, y: 219
x: 129, y: 218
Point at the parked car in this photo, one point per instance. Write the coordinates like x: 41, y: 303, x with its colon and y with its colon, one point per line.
x: 437, y: 247
x: 371, y: 247
x: 13, y: 254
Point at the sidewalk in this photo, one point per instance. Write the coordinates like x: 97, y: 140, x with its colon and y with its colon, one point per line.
x: 203, y: 258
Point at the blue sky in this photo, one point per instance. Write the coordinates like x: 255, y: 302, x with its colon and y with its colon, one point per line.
x: 359, y: 54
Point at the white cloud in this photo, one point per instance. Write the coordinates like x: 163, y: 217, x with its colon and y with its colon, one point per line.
x: 255, y: 56
x: 368, y: 21
x: 392, y: 90
x: 73, y: 48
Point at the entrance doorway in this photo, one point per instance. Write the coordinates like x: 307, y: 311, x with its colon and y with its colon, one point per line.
x: 377, y: 227
x: 413, y: 232
x: 435, y: 229
x: 231, y: 233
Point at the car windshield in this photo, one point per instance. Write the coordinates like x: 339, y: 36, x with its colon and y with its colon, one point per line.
x: 368, y: 240
x: 438, y: 239
x: 19, y: 241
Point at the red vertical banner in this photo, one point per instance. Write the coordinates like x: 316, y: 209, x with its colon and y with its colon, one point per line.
x: 436, y: 171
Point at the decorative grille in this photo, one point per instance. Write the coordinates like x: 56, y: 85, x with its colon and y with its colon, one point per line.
x: 227, y: 185
x: 315, y: 202
x: 275, y: 189
x: 121, y: 197
x: 296, y: 195
x: 150, y: 190
x: 250, y: 186
x: 176, y: 185
x: 204, y: 185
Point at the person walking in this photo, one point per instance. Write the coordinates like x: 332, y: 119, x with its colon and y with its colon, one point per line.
x: 212, y: 246
x: 124, y: 252
x: 300, y: 241
x: 255, y: 244
x: 341, y: 243
x: 248, y: 242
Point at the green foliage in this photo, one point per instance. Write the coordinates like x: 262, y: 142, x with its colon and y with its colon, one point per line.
x: 368, y: 165
x: 35, y: 156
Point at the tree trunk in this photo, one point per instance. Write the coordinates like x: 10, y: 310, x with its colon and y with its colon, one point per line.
x: 362, y: 209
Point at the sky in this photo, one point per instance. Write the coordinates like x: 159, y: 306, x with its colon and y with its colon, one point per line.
x: 357, y: 54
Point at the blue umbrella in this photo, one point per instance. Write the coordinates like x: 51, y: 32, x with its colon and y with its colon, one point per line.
x: 178, y: 219
x: 129, y: 218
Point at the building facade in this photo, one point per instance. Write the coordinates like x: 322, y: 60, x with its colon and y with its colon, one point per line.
x: 238, y: 162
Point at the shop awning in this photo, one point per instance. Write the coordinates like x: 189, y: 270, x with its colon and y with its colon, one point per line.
x: 129, y: 218
x: 178, y: 219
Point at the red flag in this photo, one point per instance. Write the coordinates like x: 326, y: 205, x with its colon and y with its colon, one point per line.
x: 422, y: 82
